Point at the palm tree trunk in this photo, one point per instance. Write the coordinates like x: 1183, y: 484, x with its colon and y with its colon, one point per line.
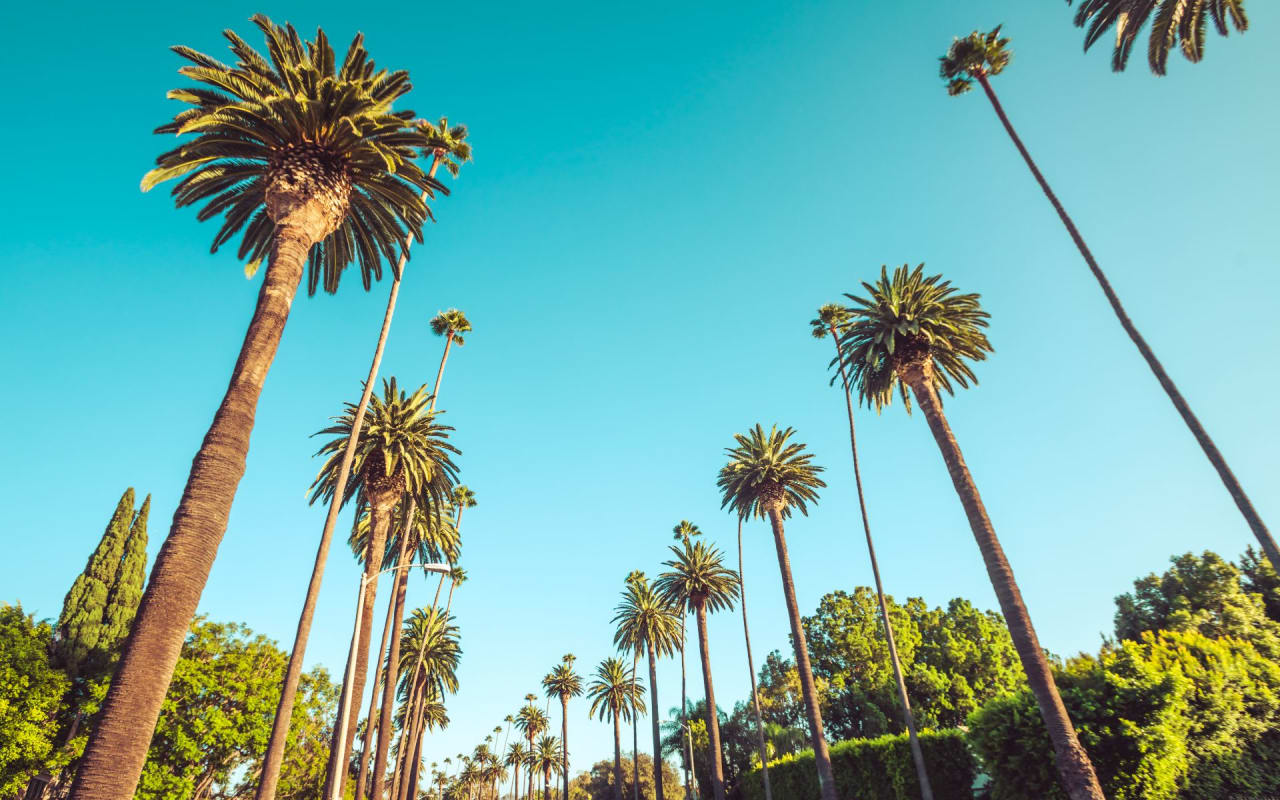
x: 393, y: 659
x: 564, y: 742
x: 657, y: 736
x: 917, y: 755
x: 713, y: 719
x: 366, y: 751
x: 448, y: 341
x: 617, y: 756
x: 751, y: 670
x: 1219, y: 463
x: 529, y: 789
x: 118, y: 744
x: 410, y: 712
x: 822, y: 757
x: 635, y: 730
x: 684, y: 720
x: 516, y: 782
x: 1073, y: 763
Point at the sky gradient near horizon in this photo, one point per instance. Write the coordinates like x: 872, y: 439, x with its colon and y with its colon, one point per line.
x: 661, y: 197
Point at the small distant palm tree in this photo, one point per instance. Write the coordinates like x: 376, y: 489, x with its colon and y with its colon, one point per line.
x: 615, y: 696
x: 768, y: 476
x: 546, y: 759
x: 918, y: 333
x: 434, y: 641
x: 564, y: 683
x: 979, y: 56
x: 1181, y: 21
x: 517, y: 756
x: 831, y: 320
x: 684, y: 531
x: 451, y: 325
x: 700, y: 582
x: 532, y: 722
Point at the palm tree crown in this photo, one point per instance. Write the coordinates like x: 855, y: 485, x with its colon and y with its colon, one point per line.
x: 436, y: 653
x: 451, y: 321
x: 297, y: 139
x: 685, y: 530
x: 615, y: 692
x: 698, y: 574
x: 976, y: 55
x: 764, y: 471
x: 1183, y: 21
x: 463, y: 497
x: 447, y: 143
x: 644, y: 618
x: 531, y: 721
x: 831, y: 315
x: 908, y: 321
x: 562, y: 681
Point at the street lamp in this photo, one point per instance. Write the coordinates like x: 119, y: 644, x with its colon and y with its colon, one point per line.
x: 339, y: 768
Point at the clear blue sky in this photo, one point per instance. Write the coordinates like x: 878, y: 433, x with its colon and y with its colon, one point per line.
x: 661, y: 197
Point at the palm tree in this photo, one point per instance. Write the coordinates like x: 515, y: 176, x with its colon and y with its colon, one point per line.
x: 300, y: 187
x: 434, y: 641
x: 751, y: 672
x: 516, y: 757
x: 978, y: 56
x: 446, y: 146
x: 546, y: 759
x: 1183, y: 21
x: 647, y: 619
x: 700, y: 582
x: 451, y: 325
x: 403, y: 453
x: 831, y: 319
x: 564, y: 683
x: 917, y: 332
x: 533, y: 723
x: 768, y: 477
x: 615, y: 695
x: 635, y: 576
x: 684, y: 531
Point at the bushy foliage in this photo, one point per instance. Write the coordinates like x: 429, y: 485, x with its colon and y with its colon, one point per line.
x: 597, y: 783
x: 874, y: 769
x: 31, y: 689
x: 1172, y: 715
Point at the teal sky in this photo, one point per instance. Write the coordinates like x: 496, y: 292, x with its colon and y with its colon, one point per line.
x: 661, y: 197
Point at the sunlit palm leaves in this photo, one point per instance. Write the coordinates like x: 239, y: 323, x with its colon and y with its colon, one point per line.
x: 697, y: 574
x: 432, y: 654
x: 447, y: 143
x: 976, y: 54
x: 614, y: 692
x: 645, y: 618
x: 452, y: 322
x: 1180, y: 22
x: 766, y: 470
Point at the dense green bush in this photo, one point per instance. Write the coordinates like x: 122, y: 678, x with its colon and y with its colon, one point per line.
x: 1173, y: 716
x: 874, y: 769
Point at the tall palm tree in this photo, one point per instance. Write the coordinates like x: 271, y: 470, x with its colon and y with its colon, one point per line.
x: 979, y: 56
x: 767, y: 476
x: 403, y: 453
x: 684, y: 531
x: 517, y: 756
x: 451, y: 325
x: 917, y: 332
x: 1183, y: 21
x: 435, y: 642
x: 700, y: 582
x: 447, y: 146
x: 564, y: 683
x: 532, y: 722
x: 635, y: 576
x: 831, y: 319
x: 751, y: 672
x: 299, y: 188
x: 646, y: 619
x: 546, y: 759
x: 615, y: 695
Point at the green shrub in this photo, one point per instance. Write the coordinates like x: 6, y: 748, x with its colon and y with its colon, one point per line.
x: 874, y: 769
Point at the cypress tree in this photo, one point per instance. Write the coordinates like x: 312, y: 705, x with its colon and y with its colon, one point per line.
x: 126, y: 589
x: 80, y: 626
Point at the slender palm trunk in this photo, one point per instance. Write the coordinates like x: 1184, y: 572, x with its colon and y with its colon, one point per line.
x: 516, y: 782
x: 393, y: 660
x: 1219, y: 463
x: 917, y: 755
x: 564, y: 742
x: 822, y: 758
x: 657, y: 736
x: 617, y: 756
x: 367, y: 750
x: 713, y: 719
x: 529, y: 791
x: 546, y: 784
x: 635, y: 730
x: 751, y: 670
x: 684, y: 719
x: 117, y: 747
x: 1073, y: 763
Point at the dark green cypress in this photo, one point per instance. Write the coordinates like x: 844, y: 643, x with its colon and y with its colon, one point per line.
x: 126, y: 589
x: 80, y: 626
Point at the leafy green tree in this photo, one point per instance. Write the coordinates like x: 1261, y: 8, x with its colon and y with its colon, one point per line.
x: 1175, y: 21
x: 563, y: 683
x: 781, y: 696
x: 615, y: 695
x: 978, y: 57
x: 126, y: 589
x: 305, y: 161
x: 31, y: 694
x: 768, y: 477
x: 1260, y: 578
x: 598, y: 783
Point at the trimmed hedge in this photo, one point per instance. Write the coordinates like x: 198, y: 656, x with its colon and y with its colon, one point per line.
x: 874, y: 769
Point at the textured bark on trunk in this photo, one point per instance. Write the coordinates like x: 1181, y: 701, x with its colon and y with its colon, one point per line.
x: 564, y: 742
x: 117, y: 747
x: 684, y: 720
x: 1074, y: 767
x: 1259, y: 528
x: 393, y: 658
x: 657, y: 736
x: 751, y: 670
x: 516, y: 781
x: 367, y: 750
x: 617, y: 757
x: 822, y: 758
x: 917, y: 755
x: 713, y: 722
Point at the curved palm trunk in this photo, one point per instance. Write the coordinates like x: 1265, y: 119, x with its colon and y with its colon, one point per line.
x: 117, y: 747
x: 617, y: 757
x: 393, y: 660
x: 657, y: 736
x: 713, y: 721
x: 751, y: 670
x: 1073, y: 763
x: 367, y: 749
x: 564, y: 742
x: 917, y: 755
x: 635, y: 731
x: 448, y: 342
x: 684, y: 719
x: 822, y: 757
x: 1219, y: 463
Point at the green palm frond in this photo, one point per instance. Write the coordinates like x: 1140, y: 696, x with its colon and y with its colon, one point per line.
x: 447, y: 143
x: 562, y: 681
x: 296, y: 118
x: 531, y: 721
x: 616, y: 691
x: 766, y: 470
x: 451, y: 321
x: 831, y: 315
x: 697, y: 574
x: 644, y: 618
x: 685, y: 530
x: 432, y: 653
x: 910, y: 318
x: 432, y: 536
x: 546, y: 755
x: 1173, y: 22
x: 978, y: 54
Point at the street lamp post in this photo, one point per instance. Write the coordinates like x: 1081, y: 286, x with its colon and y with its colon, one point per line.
x: 336, y: 775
